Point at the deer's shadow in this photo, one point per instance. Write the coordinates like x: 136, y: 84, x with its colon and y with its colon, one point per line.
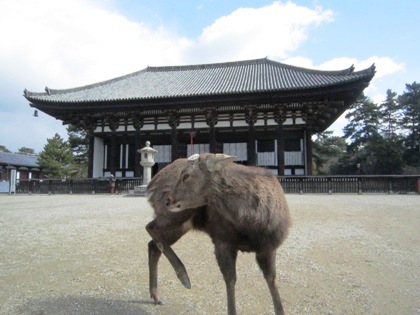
x: 84, y: 305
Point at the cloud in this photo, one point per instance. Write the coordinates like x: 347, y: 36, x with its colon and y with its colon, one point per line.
x: 385, y: 67
x: 74, y: 42
x: 378, y: 98
x: 70, y: 43
x: 64, y: 44
x: 274, y: 31
x: 299, y: 61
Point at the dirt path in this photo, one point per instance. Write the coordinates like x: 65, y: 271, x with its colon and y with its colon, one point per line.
x: 346, y: 254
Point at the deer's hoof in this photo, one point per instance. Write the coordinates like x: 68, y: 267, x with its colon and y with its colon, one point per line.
x: 185, y: 281
x: 156, y: 299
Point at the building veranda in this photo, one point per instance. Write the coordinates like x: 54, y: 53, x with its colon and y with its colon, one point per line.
x: 262, y: 111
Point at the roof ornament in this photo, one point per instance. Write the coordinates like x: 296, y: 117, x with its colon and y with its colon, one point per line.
x: 47, y: 90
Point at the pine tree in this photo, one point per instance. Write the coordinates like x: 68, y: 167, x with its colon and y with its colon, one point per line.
x: 363, y: 123
x: 390, y: 115
x: 410, y: 104
x: 79, y: 143
x: 370, y: 151
x: 26, y: 151
x: 327, y: 150
x: 56, y: 158
x: 4, y: 149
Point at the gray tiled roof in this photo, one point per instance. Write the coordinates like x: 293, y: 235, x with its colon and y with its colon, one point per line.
x: 13, y: 159
x: 251, y: 76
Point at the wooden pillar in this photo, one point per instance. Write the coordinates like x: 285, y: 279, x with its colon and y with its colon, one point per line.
x: 138, y: 123
x: 251, y: 119
x: 211, y: 120
x: 90, y: 154
x: 280, y: 118
x: 138, y: 169
x: 113, y: 123
x: 308, y: 142
x: 174, y: 143
x: 173, y: 121
x: 88, y: 123
x: 252, y: 156
x: 309, y: 119
x: 212, y: 139
x: 113, y: 153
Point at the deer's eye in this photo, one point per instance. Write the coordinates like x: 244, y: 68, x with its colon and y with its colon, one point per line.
x: 185, y: 177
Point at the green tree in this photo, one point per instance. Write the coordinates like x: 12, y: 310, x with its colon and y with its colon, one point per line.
x: 363, y: 123
x: 369, y: 150
x: 4, y: 149
x: 56, y: 159
x: 385, y: 157
x: 347, y: 164
x: 79, y: 143
x: 390, y: 114
x: 327, y: 150
x: 26, y: 151
x: 410, y: 104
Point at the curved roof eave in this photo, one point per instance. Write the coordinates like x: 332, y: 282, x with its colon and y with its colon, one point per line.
x: 35, y: 99
x: 329, y: 79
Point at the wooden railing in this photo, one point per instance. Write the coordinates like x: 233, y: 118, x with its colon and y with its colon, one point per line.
x: 351, y: 184
x: 77, y: 186
x: 291, y: 184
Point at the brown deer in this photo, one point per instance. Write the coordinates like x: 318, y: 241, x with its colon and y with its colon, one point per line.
x: 241, y: 208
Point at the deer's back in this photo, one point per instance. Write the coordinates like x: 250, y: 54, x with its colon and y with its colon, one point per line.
x: 253, y: 202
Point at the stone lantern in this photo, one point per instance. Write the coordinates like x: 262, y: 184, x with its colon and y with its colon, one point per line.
x: 147, y: 160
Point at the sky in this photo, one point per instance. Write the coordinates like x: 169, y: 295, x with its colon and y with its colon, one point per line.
x: 70, y: 43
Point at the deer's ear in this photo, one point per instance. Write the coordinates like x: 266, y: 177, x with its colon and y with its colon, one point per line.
x: 217, y: 162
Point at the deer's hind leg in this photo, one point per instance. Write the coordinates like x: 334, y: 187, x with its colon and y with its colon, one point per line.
x: 226, y: 255
x: 267, y: 262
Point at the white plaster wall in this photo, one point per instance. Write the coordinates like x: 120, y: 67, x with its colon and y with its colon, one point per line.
x: 98, y: 157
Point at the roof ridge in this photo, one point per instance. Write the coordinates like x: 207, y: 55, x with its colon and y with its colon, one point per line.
x: 49, y: 91
x: 20, y: 154
x: 346, y: 71
x: 207, y: 65
x: 371, y: 70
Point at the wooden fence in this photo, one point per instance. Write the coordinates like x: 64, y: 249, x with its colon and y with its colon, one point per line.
x: 77, y: 186
x: 351, y: 184
x: 291, y: 184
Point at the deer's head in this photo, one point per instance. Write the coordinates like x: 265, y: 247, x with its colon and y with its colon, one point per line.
x: 194, y: 184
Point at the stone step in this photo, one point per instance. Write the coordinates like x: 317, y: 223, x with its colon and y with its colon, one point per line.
x: 138, y: 191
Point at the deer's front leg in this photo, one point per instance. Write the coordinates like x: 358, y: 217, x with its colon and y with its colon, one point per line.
x: 161, y: 243
x: 154, y: 255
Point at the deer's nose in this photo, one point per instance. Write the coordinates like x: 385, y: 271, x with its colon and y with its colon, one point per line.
x: 168, y: 201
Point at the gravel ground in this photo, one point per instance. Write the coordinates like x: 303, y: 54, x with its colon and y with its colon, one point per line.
x: 346, y: 254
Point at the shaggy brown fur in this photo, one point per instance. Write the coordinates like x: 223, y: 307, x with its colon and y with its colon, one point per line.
x: 241, y: 208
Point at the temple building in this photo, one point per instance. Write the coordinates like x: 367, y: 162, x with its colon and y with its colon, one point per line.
x: 26, y: 166
x: 262, y: 111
